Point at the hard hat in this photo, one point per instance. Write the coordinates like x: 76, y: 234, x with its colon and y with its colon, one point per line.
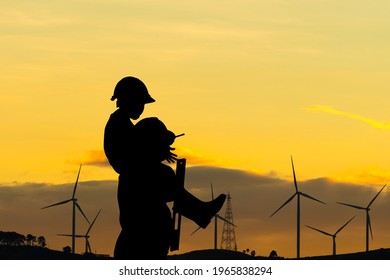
x: 133, y: 89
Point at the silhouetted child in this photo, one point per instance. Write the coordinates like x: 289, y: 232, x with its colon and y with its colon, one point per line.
x: 131, y: 96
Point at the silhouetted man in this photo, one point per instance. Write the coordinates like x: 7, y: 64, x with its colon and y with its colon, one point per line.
x: 146, y: 220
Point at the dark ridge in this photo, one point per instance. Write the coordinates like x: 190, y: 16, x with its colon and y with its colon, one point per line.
x: 212, y: 254
x: 38, y: 253
x: 379, y: 254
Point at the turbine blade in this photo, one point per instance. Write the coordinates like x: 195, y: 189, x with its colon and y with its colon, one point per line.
x: 295, y: 178
x: 321, y: 231
x: 223, y: 219
x: 369, y: 225
x: 308, y: 196
x: 353, y: 206
x: 195, y: 230
x: 372, y: 201
x: 344, y: 225
x: 81, y: 211
x: 93, y: 222
x: 75, y: 185
x: 291, y: 198
x: 69, y: 235
x: 58, y: 203
x: 212, y: 191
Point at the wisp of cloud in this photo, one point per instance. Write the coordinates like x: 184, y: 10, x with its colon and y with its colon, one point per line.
x: 329, y: 110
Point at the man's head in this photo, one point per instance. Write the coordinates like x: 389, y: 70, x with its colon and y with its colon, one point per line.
x: 154, y: 139
x: 131, y: 95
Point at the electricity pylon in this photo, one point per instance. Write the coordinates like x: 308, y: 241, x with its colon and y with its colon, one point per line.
x: 228, y: 240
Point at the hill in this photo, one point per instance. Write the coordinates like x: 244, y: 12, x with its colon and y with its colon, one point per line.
x: 379, y: 254
x: 213, y: 255
x: 39, y: 253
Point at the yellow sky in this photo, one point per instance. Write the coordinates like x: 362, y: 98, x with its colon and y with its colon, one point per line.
x: 250, y: 83
x: 236, y: 76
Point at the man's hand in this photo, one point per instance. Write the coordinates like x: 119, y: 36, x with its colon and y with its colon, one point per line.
x: 171, y: 157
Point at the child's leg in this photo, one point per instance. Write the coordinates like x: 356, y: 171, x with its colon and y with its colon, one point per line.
x: 196, y: 210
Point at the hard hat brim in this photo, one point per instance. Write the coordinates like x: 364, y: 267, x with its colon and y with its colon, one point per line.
x: 149, y: 99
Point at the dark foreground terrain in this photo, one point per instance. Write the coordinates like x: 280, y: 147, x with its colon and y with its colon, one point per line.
x: 212, y: 255
x: 39, y: 253
x: 379, y: 254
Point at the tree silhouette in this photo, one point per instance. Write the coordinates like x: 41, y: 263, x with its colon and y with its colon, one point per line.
x: 67, y: 249
x: 253, y: 253
x: 31, y: 239
x: 41, y: 241
x: 11, y: 238
x: 273, y: 254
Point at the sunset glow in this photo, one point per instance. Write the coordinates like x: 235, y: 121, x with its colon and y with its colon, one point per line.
x: 249, y: 82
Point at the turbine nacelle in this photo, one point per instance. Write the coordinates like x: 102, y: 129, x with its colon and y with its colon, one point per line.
x: 332, y: 235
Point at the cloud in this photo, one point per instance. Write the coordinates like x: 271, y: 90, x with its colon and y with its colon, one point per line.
x: 193, y: 157
x: 254, y: 197
x: 96, y: 158
x: 332, y: 111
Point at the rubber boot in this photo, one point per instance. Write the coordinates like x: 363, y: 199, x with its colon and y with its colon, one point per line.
x: 197, y: 210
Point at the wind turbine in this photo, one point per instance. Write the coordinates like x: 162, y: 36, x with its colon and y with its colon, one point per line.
x: 333, y: 235
x: 86, y: 236
x: 216, y: 217
x: 298, y: 194
x: 368, y: 221
x: 75, y: 204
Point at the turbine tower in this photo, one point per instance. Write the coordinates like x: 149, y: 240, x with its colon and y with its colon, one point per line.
x: 298, y: 194
x: 216, y: 217
x: 75, y: 204
x: 228, y: 240
x: 333, y: 235
x: 86, y: 236
x: 368, y: 220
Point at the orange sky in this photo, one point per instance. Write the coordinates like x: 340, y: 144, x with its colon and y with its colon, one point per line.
x: 254, y: 199
x: 249, y: 82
